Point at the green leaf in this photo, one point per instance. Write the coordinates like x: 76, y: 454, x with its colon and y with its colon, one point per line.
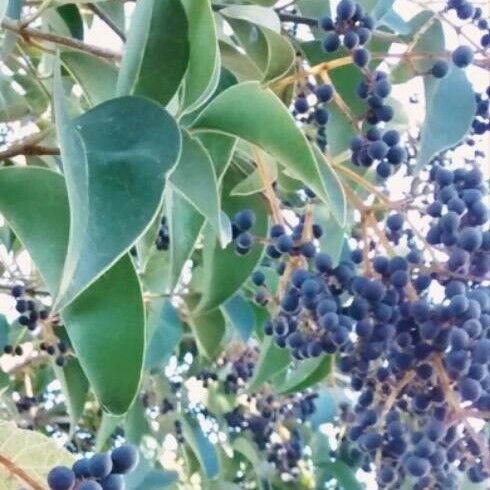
x: 334, y: 236
x: 209, y: 329
x: 253, y: 182
x: 238, y: 63
x: 306, y: 373
x: 445, y: 98
x: 4, y: 332
x: 164, y: 333
x: 157, y: 44
x: 204, y: 61
x: 74, y: 385
x: 73, y: 20
x: 105, y: 429
x: 144, y: 477
x: 256, y: 115
x: 341, y: 473
x: 325, y: 409
x: 107, y: 320
x: 184, y: 224
x: 30, y: 456
x: 96, y: 77
x: 195, y: 178
x: 115, y: 12
x: 271, y: 52
x: 337, y: 201
x: 202, y: 447
x: 241, y: 315
x: 272, y: 360
x: 136, y: 424
x: 224, y: 271
x: 220, y: 148
x: 115, y: 176
x: 261, y: 16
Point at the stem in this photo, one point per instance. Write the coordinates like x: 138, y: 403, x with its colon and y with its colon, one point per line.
x: 27, y: 32
x: 29, y: 146
x: 269, y: 191
x: 19, y: 473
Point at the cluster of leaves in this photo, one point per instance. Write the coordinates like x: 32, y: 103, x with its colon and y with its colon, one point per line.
x: 219, y: 263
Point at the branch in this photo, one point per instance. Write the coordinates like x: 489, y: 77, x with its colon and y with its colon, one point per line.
x: 29, y: 146
x: 27, y: 32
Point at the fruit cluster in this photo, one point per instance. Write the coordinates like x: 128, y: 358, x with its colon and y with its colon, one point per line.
x: 103, y: 471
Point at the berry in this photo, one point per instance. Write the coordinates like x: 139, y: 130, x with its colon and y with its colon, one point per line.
x: 462, y: 56
x: 113, y: 482
x: 100, y: 465
x: 125, y: 459
x: 89, y: 485
x: 81, y: 468
x: 301, y: 105
x: 245, y: 220
x: 324, y: 92
x: 440, y: 69
x: 361, y: 57
x: 417, y: 466
x: 17, y: 291
x: 345, y: 9
x: 331, y: 42
x: 258, y: 278
x: 61, y: 478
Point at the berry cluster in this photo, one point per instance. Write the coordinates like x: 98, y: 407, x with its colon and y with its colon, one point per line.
x: 242, y: 225
x: 460, y: 214
x: 275, y: 418
x: 315, y: 114
x: 103, y: 471
x: 30, y: 314
x: 352, y: 27
x: 465, y: 10
x: 481, y: 123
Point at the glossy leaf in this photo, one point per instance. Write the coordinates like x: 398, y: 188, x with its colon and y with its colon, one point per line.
x: 306, y: 373
x: 201, y: 446
x: 261, y: 16
x: 144, y: 477
x: 209, y: 329
x: 223, y: 274
x: 157, y: 43
x: 204, y: 61
x: 256, y: 115
x: 164, y: 333
x: 336, y: 197
x: 194, y: 177
x: 241, y: 315
x: 75, y: 388
x: 185, y: 223
x: 115, y: 176
x: 272, y: 361
x: 97, y: 78
x: 35, y: 203
x: 271, y: 52
x: 444, y: 98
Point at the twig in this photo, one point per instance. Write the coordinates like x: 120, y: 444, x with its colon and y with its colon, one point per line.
x: 27, y: 32
x: 269, y: 191
x: 29, y: 146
